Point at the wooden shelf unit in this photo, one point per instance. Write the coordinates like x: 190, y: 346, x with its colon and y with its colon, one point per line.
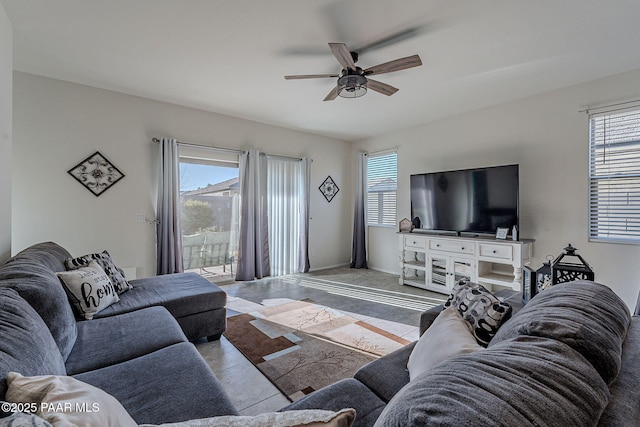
x: 436, y: 262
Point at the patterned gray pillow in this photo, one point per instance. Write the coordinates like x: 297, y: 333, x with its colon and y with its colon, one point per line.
x: 478, y: 306
x: 104, y: 259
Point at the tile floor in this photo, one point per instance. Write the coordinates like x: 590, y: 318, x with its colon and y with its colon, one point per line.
x: 363, y: 293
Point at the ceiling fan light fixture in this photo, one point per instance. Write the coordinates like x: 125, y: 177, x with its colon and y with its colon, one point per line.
x: 352, y: 86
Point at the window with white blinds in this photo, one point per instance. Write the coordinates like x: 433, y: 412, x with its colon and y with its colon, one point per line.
x: 382, y: 186
x: 614, y: 176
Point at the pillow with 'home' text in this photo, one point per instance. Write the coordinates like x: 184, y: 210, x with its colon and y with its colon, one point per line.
x: 89, y: 289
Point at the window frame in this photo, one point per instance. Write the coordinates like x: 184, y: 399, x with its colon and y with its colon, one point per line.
x: 614, y: 161
x: 381, y: 202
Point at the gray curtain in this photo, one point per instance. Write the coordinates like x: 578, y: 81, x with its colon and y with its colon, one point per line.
x: 253, y: 251
x: 303, y: 255
x: 359, y: 248
x: 169, y: 241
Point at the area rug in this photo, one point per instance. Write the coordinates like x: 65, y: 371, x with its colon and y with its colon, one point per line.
x: 302, y: 346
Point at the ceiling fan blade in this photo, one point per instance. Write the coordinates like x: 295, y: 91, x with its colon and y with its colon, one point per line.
x: 333, y: 94
x: 380, y: 87
x: 396, y: 65
x: 391, y: 39
x: 310, y: 76
x: 342, y: 54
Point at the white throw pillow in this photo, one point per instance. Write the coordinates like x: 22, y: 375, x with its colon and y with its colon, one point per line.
x: 306, y: 418
x: 65, y: 401
x: 89, y: 289
x: 448, y: 335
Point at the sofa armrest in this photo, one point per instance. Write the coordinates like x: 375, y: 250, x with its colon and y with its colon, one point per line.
x: 387, y: 375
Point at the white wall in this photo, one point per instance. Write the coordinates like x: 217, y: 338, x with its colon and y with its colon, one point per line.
x: 57, y: 124
x: 548, y: 137
x: 6, y: 90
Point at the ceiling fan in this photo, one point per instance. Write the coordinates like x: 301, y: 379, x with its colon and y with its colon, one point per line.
x: 353, y: 81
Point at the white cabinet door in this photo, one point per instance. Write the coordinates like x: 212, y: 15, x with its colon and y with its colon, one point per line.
x: 438, y: 273
x: 444, y: 271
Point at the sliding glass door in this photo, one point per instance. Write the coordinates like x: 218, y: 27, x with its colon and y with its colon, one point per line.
x: 209, y: 200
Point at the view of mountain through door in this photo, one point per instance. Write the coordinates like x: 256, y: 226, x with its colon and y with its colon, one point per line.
x: 209, y: 200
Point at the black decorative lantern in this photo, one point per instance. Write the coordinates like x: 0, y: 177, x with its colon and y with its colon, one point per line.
x: 543, y: 275
x: 568, y: 271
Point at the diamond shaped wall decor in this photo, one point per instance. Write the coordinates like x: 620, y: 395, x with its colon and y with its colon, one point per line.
x: 96, y: 173
x: 329, y: 189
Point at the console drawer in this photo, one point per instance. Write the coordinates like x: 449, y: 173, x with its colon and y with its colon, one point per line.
x: 411, y: 242
x: 496, y: 251
x: 451, y: 246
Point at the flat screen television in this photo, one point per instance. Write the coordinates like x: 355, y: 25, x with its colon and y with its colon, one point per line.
x: 470, y: 201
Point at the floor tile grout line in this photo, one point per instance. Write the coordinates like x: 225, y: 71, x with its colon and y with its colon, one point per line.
x: 278, y: 393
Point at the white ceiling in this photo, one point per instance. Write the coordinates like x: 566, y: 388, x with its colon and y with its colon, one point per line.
x: 230, y: 56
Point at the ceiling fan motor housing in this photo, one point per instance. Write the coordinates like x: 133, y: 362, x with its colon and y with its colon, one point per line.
x: 352, y: 83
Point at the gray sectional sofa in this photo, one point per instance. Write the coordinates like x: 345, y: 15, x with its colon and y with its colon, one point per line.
x: 137, y: 350
x: 571, y: 356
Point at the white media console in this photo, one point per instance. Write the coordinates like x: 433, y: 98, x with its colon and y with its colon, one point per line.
x: 437, y: 262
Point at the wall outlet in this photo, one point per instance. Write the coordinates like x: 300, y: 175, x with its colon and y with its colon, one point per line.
x: 141, y: 218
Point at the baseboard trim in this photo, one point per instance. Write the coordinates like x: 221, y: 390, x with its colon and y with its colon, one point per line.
x: 395, y: 273
x: 330, y: 266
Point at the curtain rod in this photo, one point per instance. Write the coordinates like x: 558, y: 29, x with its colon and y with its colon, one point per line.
x: 618, y: 104
x: 275, y: 156
x: 186, y: 144
x: 231, y: 150
x: 380, y: 152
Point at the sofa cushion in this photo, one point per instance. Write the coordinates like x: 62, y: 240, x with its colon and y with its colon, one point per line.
x: 26, y: 345
x: 32, y: 273
x: 523, y: 381
x: 177, y: 373
x: 387, y: 375
x: 116, y: 339
x: 181, y: 293
x: 104, y: 259
x: 65, y: 401
x: 624, y: 405
x: 478, y: 306
x: 49, y: 255
x: 347, y: 393
x: 587, y: 316
x: 448, y: 336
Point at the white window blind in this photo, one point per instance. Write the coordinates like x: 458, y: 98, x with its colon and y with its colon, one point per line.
x: 614, y: 176
x: 382, y: 186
